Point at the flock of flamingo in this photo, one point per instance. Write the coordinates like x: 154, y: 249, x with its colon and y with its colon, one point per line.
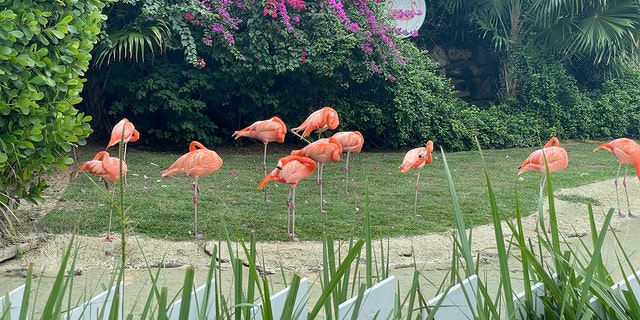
x: 300, y: 164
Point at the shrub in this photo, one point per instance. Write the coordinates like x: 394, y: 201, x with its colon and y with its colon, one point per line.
x: 44, y: 46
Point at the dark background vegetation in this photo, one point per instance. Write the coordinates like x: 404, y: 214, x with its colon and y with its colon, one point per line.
x: 566, y: 95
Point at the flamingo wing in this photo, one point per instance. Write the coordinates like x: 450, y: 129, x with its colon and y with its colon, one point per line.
x: 351, y: 141
x: 130, y: 133
x: 323, y: 150
x: 414, y: 158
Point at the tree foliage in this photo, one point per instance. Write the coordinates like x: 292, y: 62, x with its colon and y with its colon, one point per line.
x: 45, y: 48
x: 586, y: 33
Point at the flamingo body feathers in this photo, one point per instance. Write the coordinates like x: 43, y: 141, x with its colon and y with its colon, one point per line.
x: 555, y: 155
x: 130, y: 133
x: 198, y: 162
x: 108, y: 168
x: 416, y: 158
x: 351, y: 141
x: 290, y: 170
x: 626, y: 150
x: 271, y: 130
x: 322, y: 150
x: 319, y: 121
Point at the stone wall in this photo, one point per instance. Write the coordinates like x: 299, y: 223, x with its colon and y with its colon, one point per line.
x: 473, y: 72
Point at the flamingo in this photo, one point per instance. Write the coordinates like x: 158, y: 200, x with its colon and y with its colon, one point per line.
x: 556, y: 159
x: 322, y: 150
x: 416, y: 158
x: 318, y: 121
x: 108, y: 169
x: 266, y: 131
x: 290, y: 170
x: 198, y: 162
x: 351, y: 141
x: 125, y: 131
x: 628, y: 152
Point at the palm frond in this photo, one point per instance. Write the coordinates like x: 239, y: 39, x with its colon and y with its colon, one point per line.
x: 139, y: 42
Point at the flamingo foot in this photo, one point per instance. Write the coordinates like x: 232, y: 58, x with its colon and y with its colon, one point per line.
x: 293, y: 237
x: 416, y: 215
x: 198, y: 235
x: 631, y: 215
x: 323, y: 211
x: 108, y: 238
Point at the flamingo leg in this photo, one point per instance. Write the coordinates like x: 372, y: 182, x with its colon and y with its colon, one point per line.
x: 108, y: 238
x: 293, y: 214
x: 321, y: 183
x: 124, y: 159
x: 196, y: 191
x: 299, y: 136
x: 264, y: 168
x: 346, y: 169
x: 615, y: 182
x: 415, y: 200
x: 624, y: 184
x: 289, y: 204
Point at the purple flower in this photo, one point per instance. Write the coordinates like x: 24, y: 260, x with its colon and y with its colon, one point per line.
x: 216, y: 27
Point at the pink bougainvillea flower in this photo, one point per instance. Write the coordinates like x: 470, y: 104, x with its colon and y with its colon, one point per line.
x: 233, y: 173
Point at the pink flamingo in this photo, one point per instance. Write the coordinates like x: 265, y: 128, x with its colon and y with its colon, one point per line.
x: 416, y: 158
x: 290, y: 170
x: 108, y: 169
x: 198, y: 162
x: 351, y: 141
x: 322, y: 150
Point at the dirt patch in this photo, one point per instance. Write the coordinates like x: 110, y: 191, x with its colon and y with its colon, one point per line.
x: 428, y: 251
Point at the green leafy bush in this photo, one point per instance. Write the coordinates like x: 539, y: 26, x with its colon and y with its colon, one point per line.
x: 44, y: 48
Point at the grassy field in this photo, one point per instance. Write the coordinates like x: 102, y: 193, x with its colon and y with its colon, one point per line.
x: 163, y: 207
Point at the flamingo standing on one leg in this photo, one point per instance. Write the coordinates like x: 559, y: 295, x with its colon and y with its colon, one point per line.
x: 125, y: 131
x: 628, y: 152
x: 109, y: 169
x: 322, y: 150
x: 198, y: 162
x: 266, y: 131
x: 556, y: 159
x: 416, y: 158
x: 351, y: 141
x: 290, y: 170
x: 318, y: 121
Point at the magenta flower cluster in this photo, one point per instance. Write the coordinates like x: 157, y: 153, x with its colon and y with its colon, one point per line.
x: 376, y: 36
x: 278, y: 8
x: 215, y: 16
x: 400, y: 14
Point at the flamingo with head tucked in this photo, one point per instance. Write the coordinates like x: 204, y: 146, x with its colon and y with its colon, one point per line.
x: 124, y: 131
x: 628, y: 152
x: 322, y: 151
x: 290, y: 170
x: 198, y: 162
x: 351, y: 141
x: 318, y: 121
x: 107, y: 168
x: 551, y: 156
x: 271, y: 130
x: 416, y: 158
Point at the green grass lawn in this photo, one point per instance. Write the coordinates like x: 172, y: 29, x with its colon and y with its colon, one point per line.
x: 163, y: 207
